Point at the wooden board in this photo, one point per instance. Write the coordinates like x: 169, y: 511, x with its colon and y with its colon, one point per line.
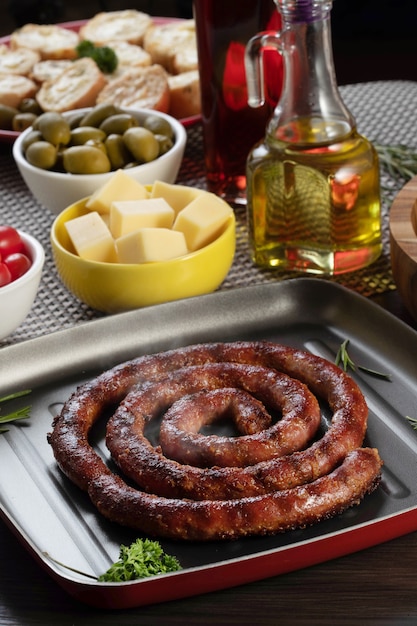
x: 403, y: 241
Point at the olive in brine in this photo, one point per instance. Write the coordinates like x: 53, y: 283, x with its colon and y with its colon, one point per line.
x: 158, y: 126
x: 31, y: 137
x: 99, y: 113
x: 22, y: 121
x: 85, y: 160
x: 118, y: 123
x: 82, y: 134
x: 41, y: 154
x: 117, y: 151
x: 165, y: 143
x: 30, y: 105
x: 142, y: 143
x: 74, y: 119
x: 6, y: 116
x: 54, y: 128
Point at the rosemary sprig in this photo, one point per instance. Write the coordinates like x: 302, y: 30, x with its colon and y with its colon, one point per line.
x: 343, y: 359
x: 399, y: 160
x: 19, y: 414
x: 412, y: 421
x: 71, y: 569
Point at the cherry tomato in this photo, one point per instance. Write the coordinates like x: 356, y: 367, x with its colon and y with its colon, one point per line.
x: 17, y: 264
x: 5, y: 276
x: 10, y: 241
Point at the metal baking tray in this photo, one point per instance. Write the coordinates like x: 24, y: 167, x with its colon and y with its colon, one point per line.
x: 50, y: 515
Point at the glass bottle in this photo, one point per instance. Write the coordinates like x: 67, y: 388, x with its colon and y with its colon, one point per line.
x: 313, y: 193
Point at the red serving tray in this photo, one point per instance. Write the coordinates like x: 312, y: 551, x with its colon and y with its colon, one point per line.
x: 50, y: 515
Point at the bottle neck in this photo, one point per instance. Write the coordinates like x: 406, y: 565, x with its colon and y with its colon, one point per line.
x: 310, y: 109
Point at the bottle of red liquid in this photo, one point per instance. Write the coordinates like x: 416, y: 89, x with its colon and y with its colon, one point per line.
x: 230, y: 126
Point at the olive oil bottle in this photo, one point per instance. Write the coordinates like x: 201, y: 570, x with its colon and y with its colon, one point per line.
x: 313, y: 190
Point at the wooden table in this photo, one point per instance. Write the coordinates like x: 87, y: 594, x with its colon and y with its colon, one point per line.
x: 375, y: 586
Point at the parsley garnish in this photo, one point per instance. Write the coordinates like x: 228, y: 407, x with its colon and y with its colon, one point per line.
x: 141, y: 559
x: 104, y: 56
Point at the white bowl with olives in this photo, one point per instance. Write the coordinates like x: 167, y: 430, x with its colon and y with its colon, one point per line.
x: 65, y: 157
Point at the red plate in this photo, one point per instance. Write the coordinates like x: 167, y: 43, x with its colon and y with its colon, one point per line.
x: 8, y: 136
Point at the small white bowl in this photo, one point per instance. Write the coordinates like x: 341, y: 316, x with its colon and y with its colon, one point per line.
x: 16, y: 298
x: 57, y: 190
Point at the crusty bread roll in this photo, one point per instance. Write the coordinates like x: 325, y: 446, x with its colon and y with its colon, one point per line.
x: 49, y: 69
x: 49, y: 40
x: 173, y: 45
x: 76, y: 87
x: 20, y: 61
x: 129, y: 25
x: 139, y: 88
x: 185, y: 96
x: 15, y: 88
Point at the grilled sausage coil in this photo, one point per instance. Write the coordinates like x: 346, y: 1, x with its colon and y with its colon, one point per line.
x: 286, y: 469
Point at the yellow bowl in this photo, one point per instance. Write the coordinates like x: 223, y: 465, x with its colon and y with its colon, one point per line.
x: 118, y: 287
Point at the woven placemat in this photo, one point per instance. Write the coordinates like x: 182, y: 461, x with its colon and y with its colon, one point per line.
x: 385, y: 112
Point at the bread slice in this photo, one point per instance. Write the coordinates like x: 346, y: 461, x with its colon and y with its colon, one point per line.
x: 20, y: 61
x: 173, y: 45
x: 76, y: 87
x: 129, y: 56
x: 185, y: 96
x: 49, y: 69
x: 139, y: 88
x: 15, y: 88
x: 49, y: 40
x: 128, y: 25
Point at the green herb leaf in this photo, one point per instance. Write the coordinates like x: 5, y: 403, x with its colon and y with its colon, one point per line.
x: 343, y: 359
x: 141, y: 559
x: 399, y: 161
x: 19, y: 414
x: 71, y: 569
x: 412, y: 421
x: 104, y: 56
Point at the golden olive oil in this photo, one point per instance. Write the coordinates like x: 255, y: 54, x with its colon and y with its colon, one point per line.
x: 313, y: 201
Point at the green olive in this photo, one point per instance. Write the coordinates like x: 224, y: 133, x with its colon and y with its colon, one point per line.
x: 74, y: 119
x: 118, y: 123
x: 85, y: 160
x: 98, y: 114
x: 142, y: 143
x: 96, y: 143
x: 6, y: 116
x: 42, y: 154
x: 82, y: 134
x: 31, y: 137
x: 30, y: 105
x: 117, y: 151
x: 21, y: 121
x: 54, y: 128
x: 165, y: 143
x: 159, y: 126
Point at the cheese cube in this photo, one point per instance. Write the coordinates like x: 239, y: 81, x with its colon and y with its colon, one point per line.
x: 91, y: 238
x: 177, y: 196
x: 130, y: 215
x: 119, y: 187
x: 202, y: 220
x: 151, y: 244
